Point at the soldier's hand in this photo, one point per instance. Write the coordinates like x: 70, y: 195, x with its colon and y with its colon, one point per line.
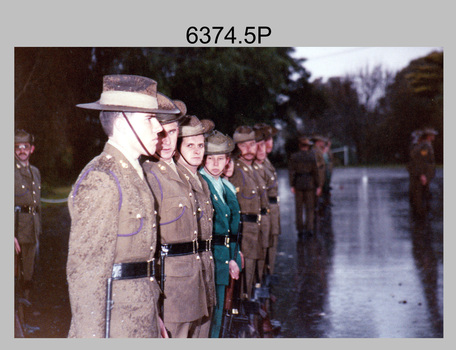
x: 17, y: 246
x: 319, y: 190
x: 164, y: 332
x: 292, y: 190
x: 234, y: 269
x: 242, y: 259
x: 423, y: 180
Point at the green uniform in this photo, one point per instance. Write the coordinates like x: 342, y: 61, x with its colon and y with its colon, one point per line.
x: 226, y: 224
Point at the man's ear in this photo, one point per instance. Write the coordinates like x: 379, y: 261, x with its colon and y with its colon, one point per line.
x: 32, y: 149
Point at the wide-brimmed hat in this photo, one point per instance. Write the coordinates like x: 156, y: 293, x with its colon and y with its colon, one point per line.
x: 22, y: 136
x: 131, y: 93
x: 304, y: 140
x: 192, y: 126
x: 260, y: 134
x: 429, y: 131
x: 268, y: 130
x: 218, y: 143
x: 318, y: 138
x: 171, y: 118
x: 244, y: 133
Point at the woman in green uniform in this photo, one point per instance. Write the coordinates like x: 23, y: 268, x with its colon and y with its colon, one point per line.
x: 225, y: 221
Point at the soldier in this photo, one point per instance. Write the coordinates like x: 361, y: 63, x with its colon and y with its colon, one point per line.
x: 421, y: 170
x: 185, y: 301
x: 27, y: 211
x: 228, y: 259
x: 189, y: 157
x: 263, y: 182
x: 248, y: 195
x: 306, y: 185
x: 110, y: 269
x: 272, y: 186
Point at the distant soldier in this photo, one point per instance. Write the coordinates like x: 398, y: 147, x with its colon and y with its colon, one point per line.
x: 189, y: 156
x: 248, y: 195
x: 185, y: 302
x: 421, y: 170
x: 306, y: 184
x: 111, y: 256
x: 27, y: 213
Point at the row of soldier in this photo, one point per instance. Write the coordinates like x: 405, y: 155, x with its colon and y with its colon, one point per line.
x: 158, y: 232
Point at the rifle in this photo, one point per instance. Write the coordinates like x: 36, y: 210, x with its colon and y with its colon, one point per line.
x: 109, y: 303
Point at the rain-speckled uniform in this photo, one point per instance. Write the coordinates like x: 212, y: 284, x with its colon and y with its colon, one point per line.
x: 112, y: 221
x: 272, y: 187
x: 184, y: 292
x: 204, y: 219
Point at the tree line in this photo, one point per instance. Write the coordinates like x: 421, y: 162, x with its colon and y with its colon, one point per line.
x: 373, y: 112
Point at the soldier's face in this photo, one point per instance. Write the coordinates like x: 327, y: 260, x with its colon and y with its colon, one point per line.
x: 146, y: 127
x: 248, y: 149
x: 215, y: 164
x: 23, y: 150
x: 261, y: 151
x: 167, y: 141
x: 229, y: 168
x: 269, y: 145
x: 192, y: 150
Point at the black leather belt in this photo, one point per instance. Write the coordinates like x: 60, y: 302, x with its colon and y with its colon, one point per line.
x: 221, y: 240
x: 249, y: 218
x: 121, y: 271
x: 180, y: 248
x: 204, y: 246
x: 26, y: 209
x: 264, y: 211
x: 273, y: 200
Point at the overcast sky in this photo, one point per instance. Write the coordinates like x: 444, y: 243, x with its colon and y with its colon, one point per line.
x: 328, y: 62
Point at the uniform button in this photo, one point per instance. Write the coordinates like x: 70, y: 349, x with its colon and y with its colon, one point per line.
x: 226, y: 262
x: 196, y: 232
x: 190, y: 194
x: 194, y: 214
x: 229, y: 230
x: 138, y: 216
x: 154, y: 225
x: 210, y: 219
x: 226, y: 215
x: 197, y: 257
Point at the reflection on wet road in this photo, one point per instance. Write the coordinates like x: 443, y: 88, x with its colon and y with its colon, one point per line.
x: 371, y: 271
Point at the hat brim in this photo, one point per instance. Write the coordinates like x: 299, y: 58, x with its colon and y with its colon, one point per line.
x: 165, y: 106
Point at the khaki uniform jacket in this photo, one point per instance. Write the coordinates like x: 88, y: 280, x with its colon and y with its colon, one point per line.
x: 27, y: 192
x: 272, y: 186
x: 184, y: 292
x: 303, y: 171
x: 248, y: 195
x: 204, y: 218
x: 422, y: 161
x: 265, y: 226
x: 112, y: 221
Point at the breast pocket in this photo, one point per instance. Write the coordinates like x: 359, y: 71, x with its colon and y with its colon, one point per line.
x: 177, y: 221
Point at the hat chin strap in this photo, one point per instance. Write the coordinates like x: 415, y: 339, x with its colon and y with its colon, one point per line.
x: 137, y: 137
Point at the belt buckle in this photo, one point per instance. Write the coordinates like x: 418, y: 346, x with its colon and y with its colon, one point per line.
x: 209, y: 245
x: 227, y: 241
x: 259, y: 218
x: 151, y: 268
x: 195, y: 246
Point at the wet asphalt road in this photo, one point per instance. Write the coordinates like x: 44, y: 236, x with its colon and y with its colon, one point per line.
x: 370, y: 270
